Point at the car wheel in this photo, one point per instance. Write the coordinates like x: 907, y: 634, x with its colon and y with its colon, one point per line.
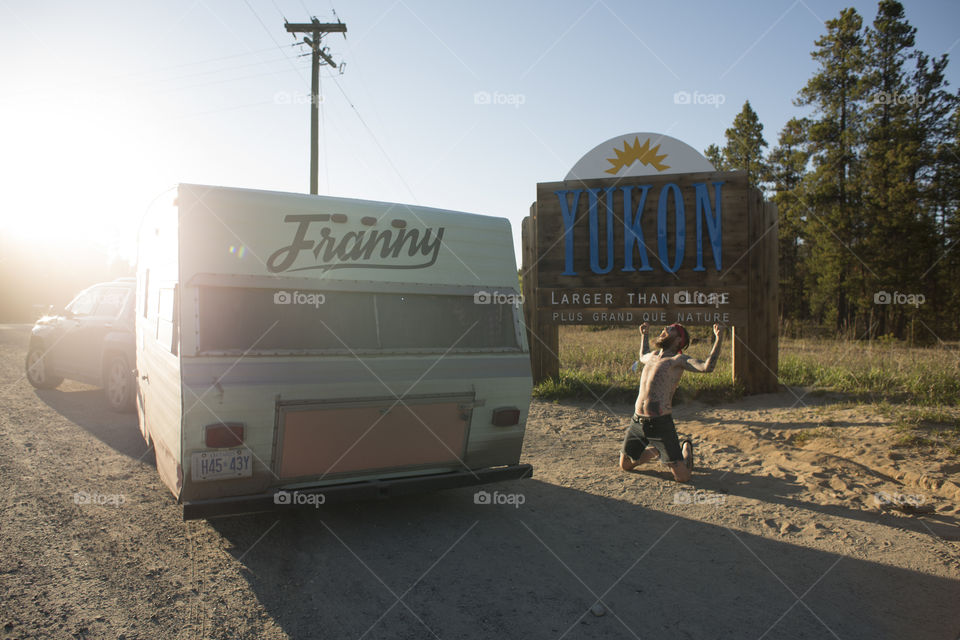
x: 38, y: 369
x: 118, y: 383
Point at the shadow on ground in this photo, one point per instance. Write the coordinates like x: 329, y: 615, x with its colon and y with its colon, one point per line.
x: 87, y: 408
x: 784, y: 492
x: 442, y: 566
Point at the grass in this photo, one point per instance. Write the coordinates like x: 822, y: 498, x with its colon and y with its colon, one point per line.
x: 597, y: 364
x: 919, y: 388
x: 806, y: 435
x: 936, y: 426
x: 884, y: 371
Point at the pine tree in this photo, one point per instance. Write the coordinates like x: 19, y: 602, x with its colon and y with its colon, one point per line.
x: 831, y: 190
x: 893, y: 237
x: 937, y: 124
x: 907, y: 125
x: 933, y: 118
x: 745, y: 143
x: 715, y: 155
x: 949, y: 265
x: 786, y: 165
x: 868, y: 185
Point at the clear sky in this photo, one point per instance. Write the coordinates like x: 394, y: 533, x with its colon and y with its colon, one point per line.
x: 107, y: 104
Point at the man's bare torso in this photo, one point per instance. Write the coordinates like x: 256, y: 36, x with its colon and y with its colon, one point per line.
x: 658, y: 382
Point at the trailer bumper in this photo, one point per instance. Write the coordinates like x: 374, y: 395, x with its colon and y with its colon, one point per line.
x: 350, y: 492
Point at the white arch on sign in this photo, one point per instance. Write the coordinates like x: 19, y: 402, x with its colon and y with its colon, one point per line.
x: 639, y: 154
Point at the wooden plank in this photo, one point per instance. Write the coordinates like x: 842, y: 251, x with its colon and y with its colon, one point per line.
x: 738, y: 345
x: 564, y: 254
x: 543, y: 338
x: 632, y: 306
x: 549, y: 336
x: 745, y: 361
x: 633, y: 316
x: 755, y: 362
x: 629, y: 296
x: 771, y: 277
x: 527, y: 281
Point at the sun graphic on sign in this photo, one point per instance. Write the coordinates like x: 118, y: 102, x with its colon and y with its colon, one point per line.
x: 636, y: 152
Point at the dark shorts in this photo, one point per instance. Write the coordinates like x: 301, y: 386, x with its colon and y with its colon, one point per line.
x: 659, y: 432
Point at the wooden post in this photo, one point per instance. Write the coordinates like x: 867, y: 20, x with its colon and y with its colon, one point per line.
x: 756, y: 347
x: 317, y: 30
x: 771, y: 268
x: 738, y: 346
x: 542, y: 336
x: 527, y: 281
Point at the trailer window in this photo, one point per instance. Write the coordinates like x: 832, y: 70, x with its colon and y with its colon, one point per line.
x: 425, y: 321
x: 232, y: 319
x: 167, y: 325
x: 263, y: 321
x: 146, y: 292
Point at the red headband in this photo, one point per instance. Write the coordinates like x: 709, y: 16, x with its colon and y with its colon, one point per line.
x: 684, y: 336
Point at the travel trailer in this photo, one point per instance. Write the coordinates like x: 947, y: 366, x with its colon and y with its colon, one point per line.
x: 296, y: 349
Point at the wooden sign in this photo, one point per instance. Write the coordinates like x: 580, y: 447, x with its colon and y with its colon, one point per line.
x: 659, y: 249
x: 643, y: 230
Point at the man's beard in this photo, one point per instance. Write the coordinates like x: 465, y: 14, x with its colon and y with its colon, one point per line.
x: 670, y: 343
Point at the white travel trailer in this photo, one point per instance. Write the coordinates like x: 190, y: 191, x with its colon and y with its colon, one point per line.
x: 296, y: 349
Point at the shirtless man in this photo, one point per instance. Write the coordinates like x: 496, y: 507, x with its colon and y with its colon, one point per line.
x: 652, y: 418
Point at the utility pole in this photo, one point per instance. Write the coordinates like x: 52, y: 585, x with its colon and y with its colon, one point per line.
x: 320, y: 56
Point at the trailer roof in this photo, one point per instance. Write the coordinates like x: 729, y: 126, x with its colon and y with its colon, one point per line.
x: 233, y: 231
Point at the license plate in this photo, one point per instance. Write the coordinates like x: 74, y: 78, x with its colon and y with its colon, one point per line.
x: 216, y: 465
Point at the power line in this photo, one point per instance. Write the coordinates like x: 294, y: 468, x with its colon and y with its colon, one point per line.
x: 318, y: 30
x: 278, y: 10
x: 364, y: 87
x: 374, y: 137
x: 197, y: 114
x: 360, y: 117
x: 262, y: 24
x: 221, y: 70
x: 191, y: 64
x: 213, y: 82
x: 323, y: 134
x: 257, y: 16
x: 138, y: 75
x: 163, y: 90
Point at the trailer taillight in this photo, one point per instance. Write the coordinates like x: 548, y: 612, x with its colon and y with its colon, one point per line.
x: 223, y: 434
x: 506, y: 416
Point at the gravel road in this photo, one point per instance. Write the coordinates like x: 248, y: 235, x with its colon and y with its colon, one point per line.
x: 93, y: 546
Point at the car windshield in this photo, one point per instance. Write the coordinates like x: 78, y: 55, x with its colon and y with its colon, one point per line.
x: 84, y: 303
x: 264, y: 320
x: 111, y: 301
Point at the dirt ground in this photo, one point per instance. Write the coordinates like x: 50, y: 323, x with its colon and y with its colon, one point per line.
x: 834, y: 539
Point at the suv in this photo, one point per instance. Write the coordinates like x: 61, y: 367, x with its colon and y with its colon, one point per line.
x: 91, y: 340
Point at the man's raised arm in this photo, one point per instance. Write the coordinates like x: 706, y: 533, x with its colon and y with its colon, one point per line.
x: 644, y: 342
x: 706, y: 366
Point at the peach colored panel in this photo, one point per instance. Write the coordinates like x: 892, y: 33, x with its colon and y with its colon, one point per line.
x: 342, y: 440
